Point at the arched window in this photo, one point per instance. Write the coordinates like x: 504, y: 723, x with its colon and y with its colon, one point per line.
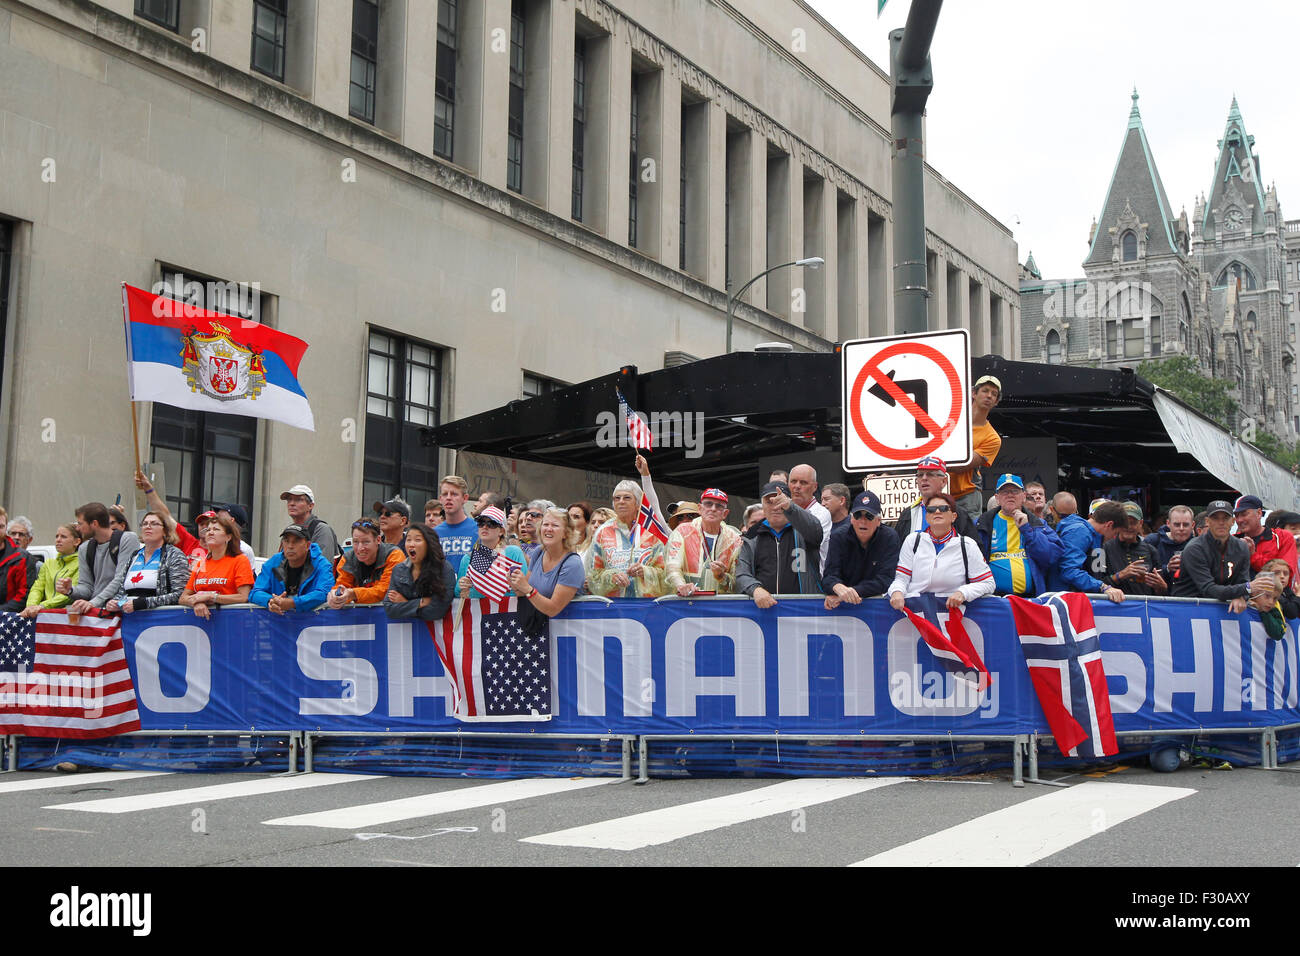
x: 1053, y: 347
x: 1236, y: 271
x: 1130, y: 246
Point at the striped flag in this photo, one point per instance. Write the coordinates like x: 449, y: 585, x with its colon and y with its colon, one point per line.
x: 63, y: 680
x: 637, y: 429
x: 647, y: 520
x: 490, y: 572
x: 951, y: 646
x: 496, y: 671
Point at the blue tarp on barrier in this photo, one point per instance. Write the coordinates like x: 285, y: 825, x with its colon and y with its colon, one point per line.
x: 703, y: 667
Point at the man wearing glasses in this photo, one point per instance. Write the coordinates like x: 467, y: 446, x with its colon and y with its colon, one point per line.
x: 1264, y: 543
x: 1018, y: 545
x: 863, y: 555
x: 394, y: 519
x: 702, y: 552
x: 931, y: 479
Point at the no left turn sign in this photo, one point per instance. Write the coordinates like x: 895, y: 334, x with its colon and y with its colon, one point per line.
x: 906, y: 397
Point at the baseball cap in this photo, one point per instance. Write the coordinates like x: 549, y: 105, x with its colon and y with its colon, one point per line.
x: 1246, y: 502
x: 1010, y: 479
x: 1096, y: 503
x: 866, y: 501
x: 299, y: 490
x: 714, y: 494
x: 205, y: 517
x: 491, y: 513
x: 296, y: 529
x: 236, y: 511
x: 931, y: 463
x: 988, y: 380
x: 393, y: 504
x: 1133, y: 509
x: 1214, y: 507
x: 772, y: 487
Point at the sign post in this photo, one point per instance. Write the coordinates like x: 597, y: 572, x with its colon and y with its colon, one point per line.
x: 906, y: 397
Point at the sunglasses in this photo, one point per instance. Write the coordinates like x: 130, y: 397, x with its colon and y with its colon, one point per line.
x: 389, y: 514
x: 365, y: 524
x: 532, y: 514
x: 486, y: 523
x: 864, y: 514
x: 937, y: 509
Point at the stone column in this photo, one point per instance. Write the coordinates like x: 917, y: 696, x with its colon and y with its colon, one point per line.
x: 421, y: 37
x: 333, y: 57
x: 230, y: 39
x: 482, y: 89
x: 559, y: 121
x: 664, y: 196
x: 716, y: 214
x: 938, y: 301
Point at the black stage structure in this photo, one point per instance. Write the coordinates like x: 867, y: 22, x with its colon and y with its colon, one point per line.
x: 761, y: 405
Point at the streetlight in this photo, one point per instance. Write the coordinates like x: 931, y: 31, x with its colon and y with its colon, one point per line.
x: 813, y: 262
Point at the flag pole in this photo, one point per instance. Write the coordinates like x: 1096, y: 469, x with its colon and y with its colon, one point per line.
x: 135, y: 437
x: 135, y: 426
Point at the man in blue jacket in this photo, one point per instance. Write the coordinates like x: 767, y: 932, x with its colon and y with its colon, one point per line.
x: 1020, y: 547
x: 863, y: 555
x: 296, y: 578
x: 1082, y: 539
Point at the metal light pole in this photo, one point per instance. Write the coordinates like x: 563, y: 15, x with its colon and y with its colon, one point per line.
x: 814, y: 262
x: 910, y: 82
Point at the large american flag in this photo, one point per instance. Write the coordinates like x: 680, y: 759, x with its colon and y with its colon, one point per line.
x: 490, y: 572
x: 1058, y: 636
x: 496, y: 671
x: 61, y: 680
x: 648, y: 521
x: 951, y: 646
x: 637, y: 428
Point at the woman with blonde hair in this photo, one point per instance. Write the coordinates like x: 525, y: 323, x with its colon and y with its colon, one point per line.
x: 43, y: 596
x: 557, y: 574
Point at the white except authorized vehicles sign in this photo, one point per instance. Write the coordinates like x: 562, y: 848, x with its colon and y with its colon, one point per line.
x: 906, y: 397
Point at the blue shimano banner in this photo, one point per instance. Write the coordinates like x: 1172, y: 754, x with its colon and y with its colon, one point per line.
x: 706, y: 666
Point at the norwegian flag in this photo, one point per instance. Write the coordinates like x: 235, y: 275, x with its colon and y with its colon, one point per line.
x: 496, y: 671
x: 490, y: 572
x: 1059, y: 639
x: 64, y: 680
x: 637, y: 429
x: 952, y: 647
x: 648, y: 521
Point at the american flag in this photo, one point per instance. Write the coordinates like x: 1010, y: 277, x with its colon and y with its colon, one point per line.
x: 649, y: 522
x: 951, y: 647
x: 637, y: 429
x: 490, y: 572
x: 1058, y: 636
x: 61, y: 680
x: 496, y: 671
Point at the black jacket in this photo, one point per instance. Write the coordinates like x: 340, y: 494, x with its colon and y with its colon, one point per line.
x: 1120, y: 555
x: 868, y: 570
x: 785, y: 563
x: 1165, y: 548
x: 1211, y: 571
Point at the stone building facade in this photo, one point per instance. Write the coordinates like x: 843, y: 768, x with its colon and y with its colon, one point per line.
x: 1158, y: 284
x: 456, y: 203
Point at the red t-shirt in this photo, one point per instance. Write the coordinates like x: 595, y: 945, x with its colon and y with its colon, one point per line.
x: 223, y: 575
x: 190, y: 546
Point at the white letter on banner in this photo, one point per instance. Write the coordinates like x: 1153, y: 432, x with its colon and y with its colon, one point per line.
x: 360, y: 672
x: 1281, y: 662
x: 1126, y: 664
x: 907, y: 683
x: 589, y: 641
x: 1199, y: 681
x: 198, y: 668
x: 1232, y: 648
x: 684, y: 684
x: 403, y: 683
x: 1259, y: 668
x: 793, y: 689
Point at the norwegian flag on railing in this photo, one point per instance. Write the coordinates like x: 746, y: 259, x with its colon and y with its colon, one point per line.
x: 951, y: 646
x: 637, y: 429
x: 490, y: 572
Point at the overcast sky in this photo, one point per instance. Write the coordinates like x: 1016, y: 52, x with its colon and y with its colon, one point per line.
x: 1031, y: 100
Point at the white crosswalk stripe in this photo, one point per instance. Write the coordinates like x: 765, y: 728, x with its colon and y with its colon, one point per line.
x: 221, y: 791
x: 1033, y: 829
x: 688, y: 819
x: 76, y: 780
x: 432, y: 804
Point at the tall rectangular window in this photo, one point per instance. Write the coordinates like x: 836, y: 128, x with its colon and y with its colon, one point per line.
x: 444, y: 81
x: 535, y: 385
x: 1134, y: 347
x: 1112, y: 340
x: 270, y: 18
x: 632, y: 166
x: 681, y: 213
x: 165, y: 13
x: 207, y: 457
x: 1155, y: 336
x: 515, y: 117
x: 579, y: 123
x: 403, y: 395
x: 365, y: 59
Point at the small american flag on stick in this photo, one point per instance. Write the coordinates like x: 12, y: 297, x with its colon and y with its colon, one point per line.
x: 490, y: 572
x: 637, y: 429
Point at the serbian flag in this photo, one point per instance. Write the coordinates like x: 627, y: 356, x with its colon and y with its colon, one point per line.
x: 951, y: 646
x: 1059, y: 639
x: 181, y: 355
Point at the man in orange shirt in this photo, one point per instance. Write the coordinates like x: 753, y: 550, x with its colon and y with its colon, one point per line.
x: 362, y: 575
x: 984, y: 398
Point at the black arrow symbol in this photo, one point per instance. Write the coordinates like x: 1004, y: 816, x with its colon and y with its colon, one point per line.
x: 915, y: 387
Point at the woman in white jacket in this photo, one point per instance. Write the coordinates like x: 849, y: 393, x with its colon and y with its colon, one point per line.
x: 941, y: 561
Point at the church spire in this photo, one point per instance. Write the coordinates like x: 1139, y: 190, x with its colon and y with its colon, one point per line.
x: 1134, y: 117
x: 1236, y: 198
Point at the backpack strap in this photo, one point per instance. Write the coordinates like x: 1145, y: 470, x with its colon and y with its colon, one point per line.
x: 965, y: 560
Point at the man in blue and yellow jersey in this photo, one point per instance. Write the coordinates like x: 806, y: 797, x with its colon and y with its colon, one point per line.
x: 1020, y: 547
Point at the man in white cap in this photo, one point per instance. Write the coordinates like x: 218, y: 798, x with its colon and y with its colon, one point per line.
x: 301, y: 503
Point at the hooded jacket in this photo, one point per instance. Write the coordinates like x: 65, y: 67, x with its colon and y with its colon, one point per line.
x: 313, y: 589
x: 1083, y: 555
x: 369, y: 582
